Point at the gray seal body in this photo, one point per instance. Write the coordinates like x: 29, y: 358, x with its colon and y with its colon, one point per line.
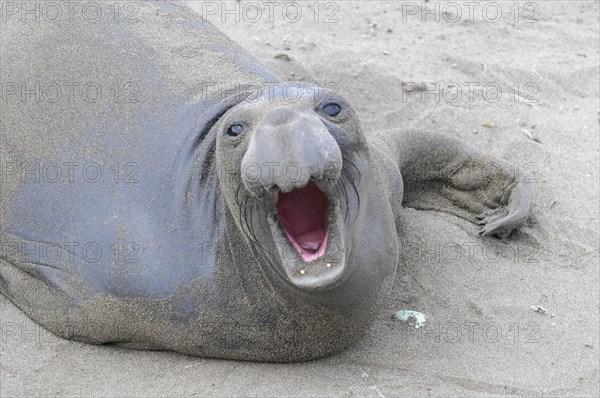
x: 152, y: 198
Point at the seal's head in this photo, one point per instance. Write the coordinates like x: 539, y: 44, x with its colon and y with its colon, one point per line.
x: 293, y: 167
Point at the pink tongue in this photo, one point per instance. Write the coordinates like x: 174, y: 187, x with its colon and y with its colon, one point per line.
x: 303, y: 215
x: 311, y: 240
x: 310, y: 249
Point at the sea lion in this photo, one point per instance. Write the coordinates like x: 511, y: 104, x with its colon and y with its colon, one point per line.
x: 138, y: 207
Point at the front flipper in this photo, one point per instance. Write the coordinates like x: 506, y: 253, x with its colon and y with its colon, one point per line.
x: 512, y: 213
x: 491, y: 189
x: 445, y: 175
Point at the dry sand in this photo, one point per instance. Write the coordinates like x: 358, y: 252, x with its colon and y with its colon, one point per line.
x: 482, y: 337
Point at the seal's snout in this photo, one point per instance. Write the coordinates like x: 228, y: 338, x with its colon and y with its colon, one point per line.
x: 287, y: 149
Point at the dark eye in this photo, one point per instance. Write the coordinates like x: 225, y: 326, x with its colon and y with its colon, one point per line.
x: 235, y: 129
x: 332, y: 109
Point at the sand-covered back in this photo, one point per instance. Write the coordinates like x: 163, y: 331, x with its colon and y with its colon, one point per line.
x: 529, y: 93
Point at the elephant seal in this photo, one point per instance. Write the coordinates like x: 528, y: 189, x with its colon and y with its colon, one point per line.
x: 141, y: 209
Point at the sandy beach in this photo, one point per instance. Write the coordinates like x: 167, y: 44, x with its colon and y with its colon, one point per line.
x: 503, y: 318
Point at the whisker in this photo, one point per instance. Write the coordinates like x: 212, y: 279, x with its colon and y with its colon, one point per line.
x: 346, y: 200
x: 351, y: 148
x: 250, y: 210
x: 351, y: 181
x: 351, y: 163
x: 264, y: 224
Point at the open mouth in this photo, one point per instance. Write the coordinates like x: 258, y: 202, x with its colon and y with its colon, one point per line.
x: 303, y: 214
x: 306, y: 226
